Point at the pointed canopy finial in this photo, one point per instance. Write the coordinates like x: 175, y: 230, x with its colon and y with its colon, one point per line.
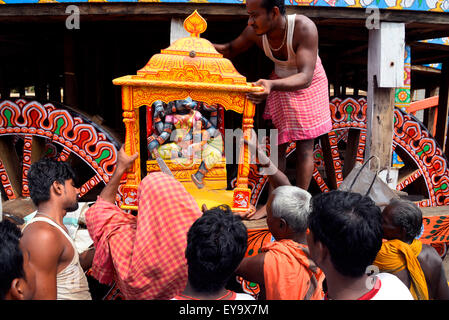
x: 195, y: 24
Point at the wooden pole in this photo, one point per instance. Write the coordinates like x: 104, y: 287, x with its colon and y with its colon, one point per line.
x: 443, y: 106
x: 380, y: 120
x: 430, y: 113
x: 385, y: 72
x: 70, y: 83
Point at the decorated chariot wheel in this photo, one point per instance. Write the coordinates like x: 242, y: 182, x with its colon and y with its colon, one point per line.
x: 424, y: 174
x: 30, y: 130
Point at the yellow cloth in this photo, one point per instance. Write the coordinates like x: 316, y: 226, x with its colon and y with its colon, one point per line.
x: 396, y: 255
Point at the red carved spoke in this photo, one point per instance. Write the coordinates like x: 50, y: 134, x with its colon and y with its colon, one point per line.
x: 361, y: 147
x: 6, y: 182
x: 26, y: 163
x: 319, y: 180
x: 332, y: 161
x: 64, y: 154
x: 90, y: 184
x: 408, y: 178
x: 33, y: 149
x: 10, y: 168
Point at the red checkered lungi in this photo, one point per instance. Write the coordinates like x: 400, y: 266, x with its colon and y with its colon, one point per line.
x: 302, y: 114
x: 145, y: 254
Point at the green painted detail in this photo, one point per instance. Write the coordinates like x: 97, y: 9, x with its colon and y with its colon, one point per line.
x: 425, y: 149
x: 250, y: 252
x: 104, y: 155
x: 349, y: 110
x: 8, y: 115
x: 252, y: 285
x: 49, y: 150
x: 443, y: 187
x: 59, y: 124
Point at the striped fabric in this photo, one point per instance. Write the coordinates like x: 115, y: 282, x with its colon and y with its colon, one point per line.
x: 145, y: 254
x: 302, y: 114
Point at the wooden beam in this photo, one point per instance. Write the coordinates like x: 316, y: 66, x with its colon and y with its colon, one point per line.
x: 416, y: 33
x: 328, y: 162
x: 384, y: 75
x: 380, y: 130
x: 431, y: 114
x: 443, y: 106
x: 351, y: 151
x: 153, y: 10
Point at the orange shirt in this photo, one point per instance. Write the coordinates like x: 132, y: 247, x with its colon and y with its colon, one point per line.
x: 289, y: 273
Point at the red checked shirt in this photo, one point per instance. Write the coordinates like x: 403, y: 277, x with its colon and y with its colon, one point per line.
x: 145, y: 254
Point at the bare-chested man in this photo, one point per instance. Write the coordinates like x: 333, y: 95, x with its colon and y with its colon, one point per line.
x: 53, y: 254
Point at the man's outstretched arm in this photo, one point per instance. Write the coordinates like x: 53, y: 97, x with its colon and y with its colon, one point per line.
x: 240, y: 44
x: 124, y: 161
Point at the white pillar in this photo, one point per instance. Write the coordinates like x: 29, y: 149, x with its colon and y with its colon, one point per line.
x: 385, y: 72
x: 177, y: 30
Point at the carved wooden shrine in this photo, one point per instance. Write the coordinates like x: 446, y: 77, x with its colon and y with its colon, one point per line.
x: 189, y: 68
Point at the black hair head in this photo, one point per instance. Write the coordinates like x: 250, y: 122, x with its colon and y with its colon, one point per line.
x: 41, y: 176
x: 270, y: 4
x: 350, y: 226
x: 216, y: 244
x: 11, y: 258
x: 407, y: 216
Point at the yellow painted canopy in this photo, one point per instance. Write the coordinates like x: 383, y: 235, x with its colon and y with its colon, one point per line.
x: 190, y: 63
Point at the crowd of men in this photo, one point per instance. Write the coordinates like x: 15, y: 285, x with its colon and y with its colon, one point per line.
x: 335, y: 245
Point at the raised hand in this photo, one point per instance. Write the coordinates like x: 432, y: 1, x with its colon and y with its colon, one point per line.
x: 259, y: 96
x: 124, y: 161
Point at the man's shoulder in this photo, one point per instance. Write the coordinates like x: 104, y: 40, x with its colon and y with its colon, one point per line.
x: 303, y: 21
x: 429, y: 256
x: 41, y: 234
x: 305, y: 28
